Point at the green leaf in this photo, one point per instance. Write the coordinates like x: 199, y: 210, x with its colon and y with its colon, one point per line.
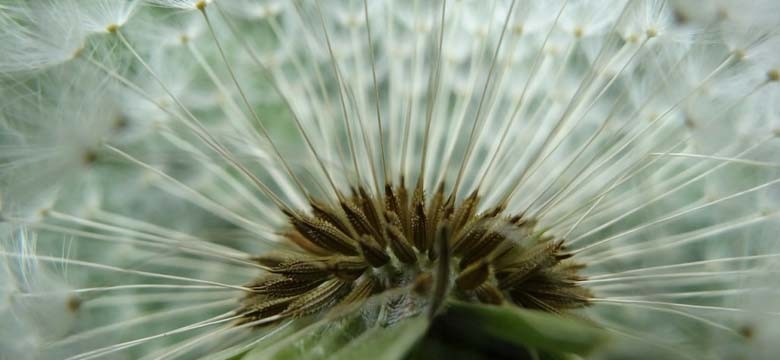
x: 385, y: 343
x: 532, y: 329
x: 314, y: 341
x: 268, y: 335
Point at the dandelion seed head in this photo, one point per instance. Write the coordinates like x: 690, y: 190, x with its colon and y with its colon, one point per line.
x: 373, y: 244
x: 186, y: 178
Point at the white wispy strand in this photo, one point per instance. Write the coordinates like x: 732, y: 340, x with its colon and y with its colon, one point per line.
x: 148, y: 149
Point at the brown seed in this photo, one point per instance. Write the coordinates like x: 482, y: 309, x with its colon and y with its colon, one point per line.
x: 553, y: 301
x: 470, y: 235
x: 550, y: 288
x: 306, y: 244
x: 489, y: 294
x: 529, y: 301
x: 403, y: 211
x: 262, y: 309
x: 358, y: 220
x: 474, y: 275
x: 346, y: 267
x: 434, y: 216
x: 324, y: 234
x: 392, y: 219
x: 481, y: 248
x: 465, y: 211
x: 364, y: 289
x: 370, y: 209
x: 391, y: 201
x: 301, y: 267
x: 400, y: 247
x: 539, y: 257
x: 318, y: 299
x: 372, y: 252
x: 281, y: 286
x: 418, y: 221
x: 273, y: 259
x: 323, y: 212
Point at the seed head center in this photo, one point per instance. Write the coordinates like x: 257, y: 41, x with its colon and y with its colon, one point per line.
x: 411, y: 253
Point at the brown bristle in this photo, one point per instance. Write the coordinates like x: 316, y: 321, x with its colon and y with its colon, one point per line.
x: 364, y: 289
x: 474, y: 275
x: 373, y: 252
x: 319, y: 299
x: 324, y: 234
x: 282, y: 286
x: 489, y: 294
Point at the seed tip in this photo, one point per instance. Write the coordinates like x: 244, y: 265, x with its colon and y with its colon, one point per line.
x: 77, y: 53
x: 651, y: 33
x: 89, y: 157
x: 747, y: 331
x: 773, y: 75
x: 73, y: 303
x: 739, y: 54
x: 200, y: 5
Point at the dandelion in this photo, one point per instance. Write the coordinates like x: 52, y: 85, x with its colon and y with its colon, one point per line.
x: 259, y: 179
